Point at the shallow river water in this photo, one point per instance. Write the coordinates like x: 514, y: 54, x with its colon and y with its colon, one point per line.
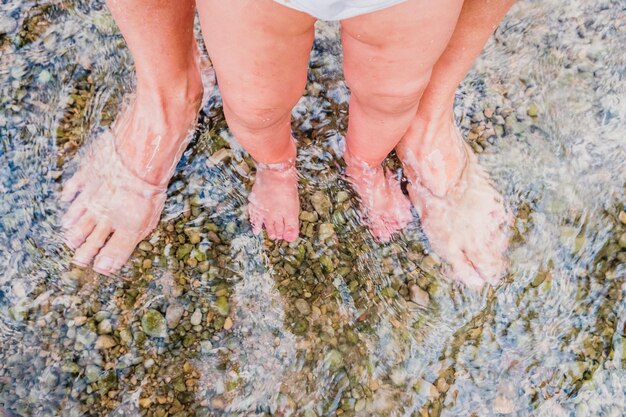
x: 207, y: 319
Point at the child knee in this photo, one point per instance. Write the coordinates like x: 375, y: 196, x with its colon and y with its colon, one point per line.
x: 255, y: 118
x: 390, y: 100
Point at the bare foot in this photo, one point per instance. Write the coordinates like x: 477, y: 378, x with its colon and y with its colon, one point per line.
x: 274, y: 201
x: 463, y: 216
x: 386, y: 209
x: 118, y: 193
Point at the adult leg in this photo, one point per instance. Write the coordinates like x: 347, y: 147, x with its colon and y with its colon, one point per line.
x: 148, y: 136
x: 460, y: 212
x: 260, y: 52
x: 388, y: 59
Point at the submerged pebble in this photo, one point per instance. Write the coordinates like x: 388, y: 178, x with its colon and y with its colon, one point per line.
x: 419, y: 296
x: 7, y: 24
x: 173, y: 314
x: 196, y: 317
x: 154, y: 324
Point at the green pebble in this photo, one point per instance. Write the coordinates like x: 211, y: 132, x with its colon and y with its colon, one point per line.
x: 184, y: 250
x: 222, y: 306
x: 307, y: 216
x: 334, y: 358
x: 300, y: 326
x: 327, y: 263
x: 189, y: 340
x: 154, y: 324
x: 70, y: 367
x: 179, y: 385
x: 193, y: 234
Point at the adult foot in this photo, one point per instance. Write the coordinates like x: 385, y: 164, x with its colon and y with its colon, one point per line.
x: 118, y: 192
x: 274, y: 201
x: 385, y: 208
x: 463, y: 216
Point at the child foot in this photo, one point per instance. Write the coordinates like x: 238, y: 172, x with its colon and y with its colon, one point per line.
x: 463, y: 216
x: 118, y: 193
x: 385, y: 208
x: 274, y: 201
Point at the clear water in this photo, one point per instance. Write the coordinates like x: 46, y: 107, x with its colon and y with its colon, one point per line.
x: 320, y: 327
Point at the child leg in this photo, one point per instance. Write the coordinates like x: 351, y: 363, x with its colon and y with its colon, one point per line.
x: 388, y: 58
x: 451, y: 186
x: 260, y: 51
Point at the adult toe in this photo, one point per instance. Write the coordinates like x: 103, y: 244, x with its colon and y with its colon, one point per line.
x: 75, y: 212
x: 77, y: 233
x: 88, y: 250
x: 73, y: 186
x: 269, y: 228
x: 292, y: 228
x: 115, y: 253
x: 279, y: 228
x: 465, y: 273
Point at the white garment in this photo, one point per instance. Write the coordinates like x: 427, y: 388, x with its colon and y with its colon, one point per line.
x: 338, y: 9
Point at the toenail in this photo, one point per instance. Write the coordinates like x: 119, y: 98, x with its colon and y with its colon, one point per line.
x: 104, y: 263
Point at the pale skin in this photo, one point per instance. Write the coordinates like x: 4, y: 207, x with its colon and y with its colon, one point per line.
x: 402, y: 65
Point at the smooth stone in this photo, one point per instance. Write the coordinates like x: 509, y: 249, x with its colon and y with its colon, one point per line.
x: 206, y: 346
x: 145, y: 246
x: 326, y: 231
x: 419, y: 296
x: 503, y: 405
x: 92, y: 373
x: 173, y: 314
x: 228, y: 323
x: 194, y: 235
x: 85, y: 336
x: 145, y: 402
x: 105, y: 327
x: 7, y: 24
x: 303, y: 307
x: 342, y: 196
x: 308, y: 216
x: 196, y: 317
x: 105, y: 342
x: 126, y: 336
x: 321, y: 203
